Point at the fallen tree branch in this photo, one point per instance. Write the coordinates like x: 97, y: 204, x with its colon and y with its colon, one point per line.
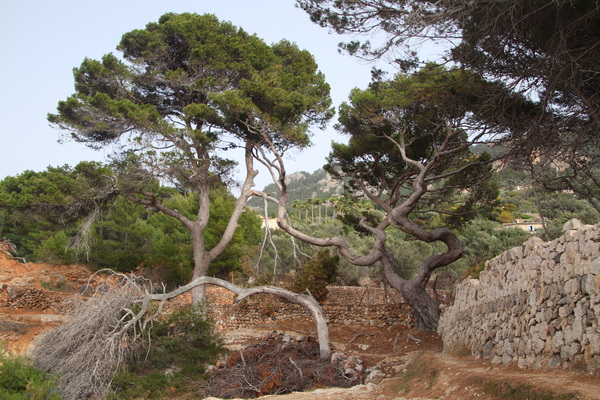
x: 102, y: 332
x: 308, y: 302
x: 414, y: 338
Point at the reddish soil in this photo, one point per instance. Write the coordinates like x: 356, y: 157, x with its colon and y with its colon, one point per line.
x: 412, y: 363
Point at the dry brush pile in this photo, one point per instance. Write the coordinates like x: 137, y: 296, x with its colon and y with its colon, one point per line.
x: 280, y: 364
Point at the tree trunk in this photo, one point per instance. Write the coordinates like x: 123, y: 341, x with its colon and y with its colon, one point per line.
x: 426, y: 310
x: 201, y: 264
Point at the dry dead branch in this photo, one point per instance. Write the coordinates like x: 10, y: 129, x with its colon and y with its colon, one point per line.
x: 88, y: 348
x: 278, y: 364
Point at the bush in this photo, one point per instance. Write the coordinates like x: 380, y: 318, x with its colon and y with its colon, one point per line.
x: 21, y: 380
x: 316, y: 274
x: 505, y: 217
x: 181, y: 344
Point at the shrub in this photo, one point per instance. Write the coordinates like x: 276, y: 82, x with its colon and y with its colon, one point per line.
x: 316, y: 274
x: 181, y: 344
x: 20, y: 380
x: 505, y: 217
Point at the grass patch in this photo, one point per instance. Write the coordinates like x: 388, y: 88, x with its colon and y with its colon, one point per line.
x: 20, y: 380
x: 417, y: 370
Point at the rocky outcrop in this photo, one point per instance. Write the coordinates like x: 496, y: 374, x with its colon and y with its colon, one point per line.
x: 537, y: 305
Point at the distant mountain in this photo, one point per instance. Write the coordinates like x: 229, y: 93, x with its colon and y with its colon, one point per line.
x: 303, y: 185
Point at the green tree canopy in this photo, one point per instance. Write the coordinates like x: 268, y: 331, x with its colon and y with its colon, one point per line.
x: 188, y: 89
x: 36, y: 205
x: 545, y: 50
x: 409, y: 153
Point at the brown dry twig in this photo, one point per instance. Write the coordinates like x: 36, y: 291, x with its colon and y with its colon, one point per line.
x: 277, y: 365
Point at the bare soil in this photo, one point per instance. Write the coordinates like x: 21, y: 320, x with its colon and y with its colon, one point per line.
x: 411, y: 363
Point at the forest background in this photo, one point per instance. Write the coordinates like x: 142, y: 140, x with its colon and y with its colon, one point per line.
x: 39, y: 214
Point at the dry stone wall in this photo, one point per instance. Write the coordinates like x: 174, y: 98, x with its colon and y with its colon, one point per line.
x: 344, y: 305
x: 537, y: 305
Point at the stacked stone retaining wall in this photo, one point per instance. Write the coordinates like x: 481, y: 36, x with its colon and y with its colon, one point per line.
x: 537, y: 305
x: 344, y: 305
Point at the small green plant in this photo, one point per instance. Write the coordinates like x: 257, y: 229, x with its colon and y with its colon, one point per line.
x: 20, y: 380
x: 181, y: 344
x: 474, y: 270
x: 418, y: 370
x: 461, y: 351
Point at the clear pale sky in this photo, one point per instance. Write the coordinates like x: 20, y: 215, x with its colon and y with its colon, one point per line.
x: 42, y: 41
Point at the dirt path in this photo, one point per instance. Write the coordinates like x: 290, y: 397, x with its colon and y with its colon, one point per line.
x: 430, y: 375
x: 469, y: 376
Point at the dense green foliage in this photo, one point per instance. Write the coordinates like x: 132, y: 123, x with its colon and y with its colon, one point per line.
x: 19, y: 380
x: 128, y: 235
x: 554, y: 63
x: 314, y: 275
x: 34, y: 206
x: 182, y: 343
x: 43, y: 212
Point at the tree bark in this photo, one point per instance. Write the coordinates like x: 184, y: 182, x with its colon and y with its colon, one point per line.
x: 308, y: 302
x: 426, y: 310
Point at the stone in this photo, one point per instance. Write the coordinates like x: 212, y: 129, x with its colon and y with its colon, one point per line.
x: 506, y: 358
x: 573, y: 224
x: 554, y: 361
x: 86, y: 289
x: 537, y: 304
x: 487, y: 350
x: 595, y: 267
x: 15, y: 291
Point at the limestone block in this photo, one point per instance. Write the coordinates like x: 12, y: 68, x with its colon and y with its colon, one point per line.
x: 554, y: 361
x: 572, y: 287
x: 546, y: 269
x: 589, y: 244
x: 573, y: 224
x: 592, y: 335
x: 506, y: 358
x: 558, y: 341
x: 537, y: 344
x: 594, y: 268
x: 15, y: 291
x: 532, y: 243
x: 516, y: 253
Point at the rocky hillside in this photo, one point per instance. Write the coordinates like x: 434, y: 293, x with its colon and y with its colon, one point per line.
x: 304, y: 185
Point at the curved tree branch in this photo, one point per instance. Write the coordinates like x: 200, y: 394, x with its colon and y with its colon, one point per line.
x: 308, y: 302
